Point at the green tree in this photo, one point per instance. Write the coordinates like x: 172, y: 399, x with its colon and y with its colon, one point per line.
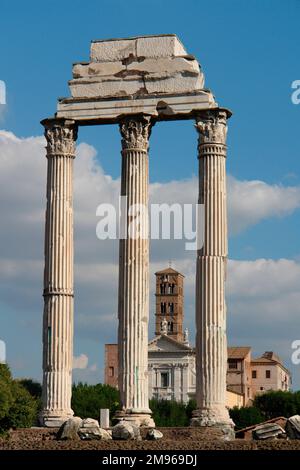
x: 169, y: 413
x: 33, y: 387
x: 245, y: 416
x: 190, y: 407
x: 23, y: 411
x: 87, y: 400
x: 17, y: 407
x: 6, y: 398
x: 278, y: 403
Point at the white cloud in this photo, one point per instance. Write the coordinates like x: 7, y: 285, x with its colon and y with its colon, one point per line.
x: 261, y: 278
x: 80, y: 362
x: 249, y: 202
x: 2, y: 92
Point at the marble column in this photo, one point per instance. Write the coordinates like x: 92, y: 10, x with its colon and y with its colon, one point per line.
x: 211, y: 344
x: 133, y: 309
x: 58, y: 274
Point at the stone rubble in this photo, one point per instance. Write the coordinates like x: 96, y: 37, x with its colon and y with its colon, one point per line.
x: 154, y: 434
x: 90, y: 423
x: 94, y: 433
x: 87, y: 429
x: 269, y: 431
x: 126, y: 431
x: 293, y: 427
x: 69, y: 429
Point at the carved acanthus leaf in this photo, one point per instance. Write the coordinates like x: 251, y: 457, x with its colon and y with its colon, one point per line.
x: 212, y: 127
x: 135, y: 133
x: 60, y: 138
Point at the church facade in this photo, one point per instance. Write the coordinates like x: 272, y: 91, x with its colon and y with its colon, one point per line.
x: 171, y: 368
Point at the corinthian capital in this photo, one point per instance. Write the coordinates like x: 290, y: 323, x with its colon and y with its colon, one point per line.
x: 61, y: 137
x: 212, y: 126
x: 135, y: 132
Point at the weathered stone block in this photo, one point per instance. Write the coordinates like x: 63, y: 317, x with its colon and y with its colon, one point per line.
x: 157, y: 67
x: 96, y: 433
x: 99, y: 69
x: 105, y: 88
x: 104, y: 418
x: 154, y: 435
x: 293, y: 427
x: 159, y: 46
x: 269, y: 431
x: 126, y: 431
x: 69, y: 430
x: 167, y: 66
x: 148, y: 46
x: 89, y: 423
x: 112, y: 50
x: 135, y: 85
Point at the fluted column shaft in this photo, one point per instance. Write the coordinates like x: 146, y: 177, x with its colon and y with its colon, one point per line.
x: 133, y: 310
x: 211, y: 345
x: 58, y: 273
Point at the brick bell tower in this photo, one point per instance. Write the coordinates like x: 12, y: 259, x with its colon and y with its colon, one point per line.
x: 169, y: 303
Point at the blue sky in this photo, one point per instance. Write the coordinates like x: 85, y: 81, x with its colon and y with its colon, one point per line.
x: 248, y: 52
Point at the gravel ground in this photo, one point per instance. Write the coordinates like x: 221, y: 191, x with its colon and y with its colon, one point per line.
x: 174, y: 439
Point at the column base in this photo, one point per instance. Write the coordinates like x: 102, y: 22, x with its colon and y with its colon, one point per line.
x: 54, y: 419
x: 139, y: 418
x: 215, y: 418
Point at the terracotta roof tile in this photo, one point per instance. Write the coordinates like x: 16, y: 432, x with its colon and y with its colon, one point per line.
x: 238, y: 352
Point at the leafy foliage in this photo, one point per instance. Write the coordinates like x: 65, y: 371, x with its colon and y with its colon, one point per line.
x: 266, y: 406
x: 87, y: 400
x: 245, y: 416
x: 6, y: 398
x: 33, y: 387
x: 18, y: 408
x: 278, y: 403
x: 168, y: 413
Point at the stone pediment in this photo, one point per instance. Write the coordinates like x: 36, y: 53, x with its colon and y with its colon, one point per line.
x: 164, y: 343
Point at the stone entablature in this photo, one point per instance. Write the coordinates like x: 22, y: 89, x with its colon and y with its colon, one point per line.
x: 153, y: 75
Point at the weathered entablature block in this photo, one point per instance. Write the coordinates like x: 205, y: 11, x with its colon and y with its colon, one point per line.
x: 151, y: 75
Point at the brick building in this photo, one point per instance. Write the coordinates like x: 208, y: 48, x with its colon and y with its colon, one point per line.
x: 169, y: 303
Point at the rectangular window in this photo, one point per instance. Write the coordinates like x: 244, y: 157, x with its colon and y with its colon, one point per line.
x: 164, y: 379
x: 254, y: 374
x: 171, y: 308
x: 268, y: 374
x: 163, y: 307
x: 111, y: 372
x: 232, y: 363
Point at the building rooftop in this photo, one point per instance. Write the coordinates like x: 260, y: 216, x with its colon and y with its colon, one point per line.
x: 238, y: 352
x: 169, y: 270
x: 268, y: 356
